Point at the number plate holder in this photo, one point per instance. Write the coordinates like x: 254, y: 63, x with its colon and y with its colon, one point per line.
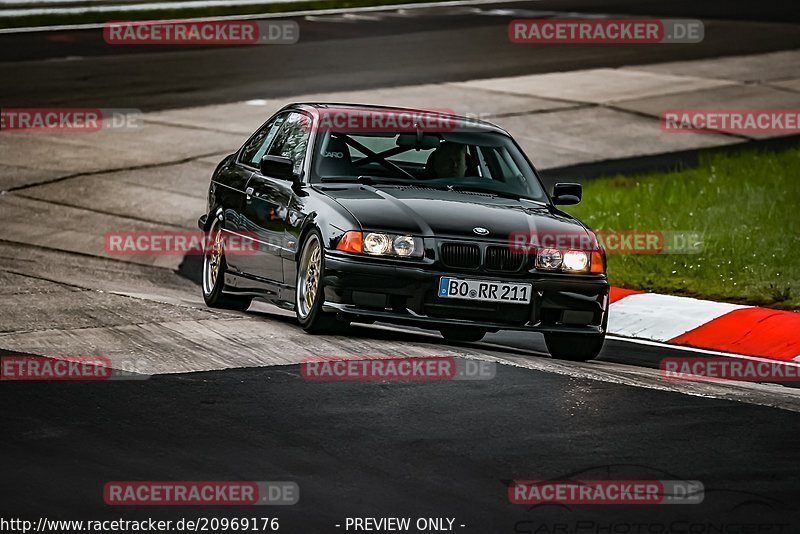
x: 484, y: 290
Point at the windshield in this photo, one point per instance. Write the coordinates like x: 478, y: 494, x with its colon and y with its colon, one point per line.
x: 476, y: 161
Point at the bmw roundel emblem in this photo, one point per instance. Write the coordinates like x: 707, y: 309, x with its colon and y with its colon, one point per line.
x: 480, y: 230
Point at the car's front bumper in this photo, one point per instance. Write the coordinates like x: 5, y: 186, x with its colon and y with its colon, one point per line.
x: 362, y: 288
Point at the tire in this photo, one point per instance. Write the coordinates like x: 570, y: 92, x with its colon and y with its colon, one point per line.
x: 574, y: 347
x: 309, y: 294
x: 214, y: 268
x: 462, y: 333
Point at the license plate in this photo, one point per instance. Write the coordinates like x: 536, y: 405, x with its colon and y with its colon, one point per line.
x: 484, y: 290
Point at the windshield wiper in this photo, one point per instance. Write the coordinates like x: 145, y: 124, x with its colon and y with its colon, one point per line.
x: 339, y: 179
x: 367, y: 180
x: 487, y: 190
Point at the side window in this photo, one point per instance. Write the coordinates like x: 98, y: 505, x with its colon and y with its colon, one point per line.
x: 258, y: 145
x: 292, y: 140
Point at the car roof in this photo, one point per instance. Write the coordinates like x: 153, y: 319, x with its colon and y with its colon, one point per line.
x: 460, y: 121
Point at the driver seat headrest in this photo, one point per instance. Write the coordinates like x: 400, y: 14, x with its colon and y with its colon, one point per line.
x: 335, y: 157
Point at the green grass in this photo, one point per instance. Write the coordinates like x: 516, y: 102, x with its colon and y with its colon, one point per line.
x: 184, y: 13
x: 747, y: 207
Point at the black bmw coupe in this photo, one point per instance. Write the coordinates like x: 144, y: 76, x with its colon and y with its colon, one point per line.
x: 361, y: 213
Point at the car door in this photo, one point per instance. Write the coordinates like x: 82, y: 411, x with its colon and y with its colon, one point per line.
x: 228, y: 191
x: 267, y: 200
x: 246, y: 164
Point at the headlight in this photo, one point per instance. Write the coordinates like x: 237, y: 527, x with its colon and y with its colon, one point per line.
x: 380, y: 244
x: 377, y: 243
x: 576, y: 261
x: 404, y: 245
x: 548, y: 258
x: 571, y: 261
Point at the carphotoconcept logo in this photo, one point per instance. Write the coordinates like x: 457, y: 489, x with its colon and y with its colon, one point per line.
x: 372, y: 368
x: 78, y: 120
x: 212, y: 32
x: 605, y: 31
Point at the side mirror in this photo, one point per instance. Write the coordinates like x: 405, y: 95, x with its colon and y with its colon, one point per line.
x: 567, y: 194
x: 278, y: 167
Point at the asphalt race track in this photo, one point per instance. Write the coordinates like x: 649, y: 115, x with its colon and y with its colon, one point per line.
x: 226, y: 399
x: 410, y: 449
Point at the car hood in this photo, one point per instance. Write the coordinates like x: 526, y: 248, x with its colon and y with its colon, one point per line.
x: 430, y: 212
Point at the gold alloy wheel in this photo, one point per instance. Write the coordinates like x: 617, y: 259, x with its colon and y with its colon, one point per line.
x: 213, y: 261
x: 308, y: 284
